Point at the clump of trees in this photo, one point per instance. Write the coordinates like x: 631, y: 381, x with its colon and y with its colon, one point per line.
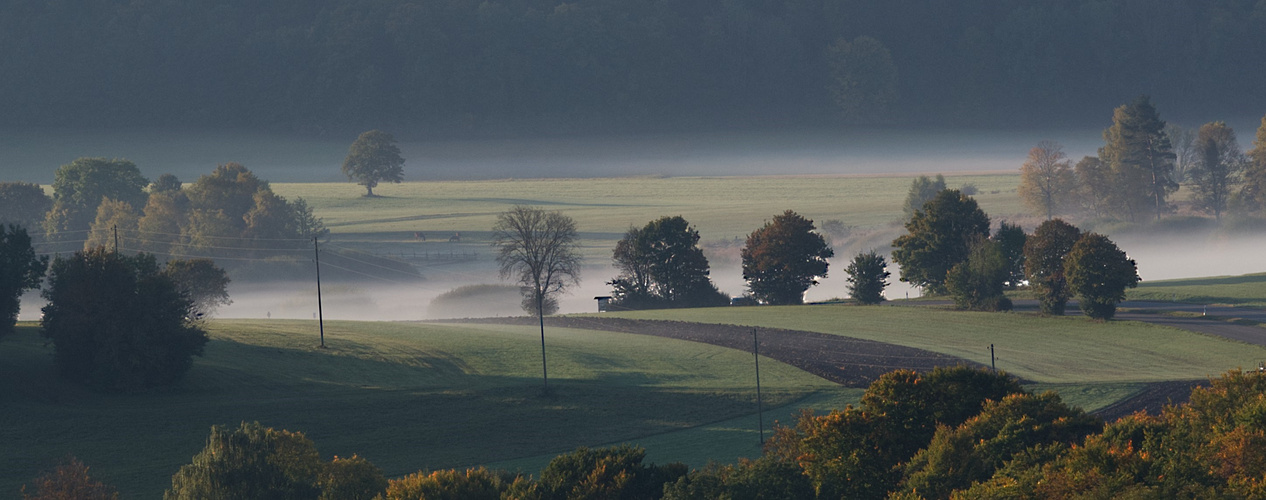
x: 784, y: 258
x: 253, y: 461
x: 661, y: 265
x: 80, y: 186
x: 1142, y: 163
x: 117, y: 323
x: 374, y: 158
x: 20, y: 270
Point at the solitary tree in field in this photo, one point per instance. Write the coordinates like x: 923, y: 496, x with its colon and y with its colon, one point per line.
x: 539, y: 250
x: 1217, y: 168
x: 1046, y: 179
x: 939, y: 237
x: 1044, y: 254
x: 867, y: 277
x: 1099, y: 272
x: 20, y: 270
x: 374, y: 158
x: 784, y: 258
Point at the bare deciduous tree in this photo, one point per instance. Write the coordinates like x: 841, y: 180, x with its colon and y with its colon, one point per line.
x: 1046, y: 179
x: 539, y: 250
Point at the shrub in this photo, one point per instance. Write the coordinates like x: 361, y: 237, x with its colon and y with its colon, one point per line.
x: 69, y: 481
x: 117, y: 323
x: 251, y: 461
x: 606, y: 473
x: 470, y: 484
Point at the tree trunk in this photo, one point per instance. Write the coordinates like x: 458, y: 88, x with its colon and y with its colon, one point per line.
x: 540, y: 314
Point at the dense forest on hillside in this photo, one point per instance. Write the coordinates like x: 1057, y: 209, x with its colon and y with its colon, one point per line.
x: 477, y: 65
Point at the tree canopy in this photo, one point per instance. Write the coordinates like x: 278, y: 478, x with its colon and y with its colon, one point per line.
x: 867, y: 277
x: 23, y: 204
x: 1099, y: 272
x: 1140, y: 158
x: 1253, y: 193
x: 938, y: 237
x: 1216, y: 171
x: 117, y: 323
x: 1044, y: 255
x: 253, y: 461
x: 373, y: 158
x: 20, y: 270
x: 452, y: 67
x: 538, y: 250
x: 1046, y: 179
x: 81, y: 185
x: 661, y: 265
x: 784, y: 258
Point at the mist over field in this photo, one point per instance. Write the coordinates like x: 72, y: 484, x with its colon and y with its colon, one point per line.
x: 33, y: 156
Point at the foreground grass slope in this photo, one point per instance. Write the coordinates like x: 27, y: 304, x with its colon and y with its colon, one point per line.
x: 1070, y: 350
x: 406, y: 396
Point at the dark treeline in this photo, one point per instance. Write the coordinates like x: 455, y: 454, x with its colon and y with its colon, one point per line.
x: 478, y: 65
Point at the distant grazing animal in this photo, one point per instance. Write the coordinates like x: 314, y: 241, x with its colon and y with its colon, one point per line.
x: 455, y: 237
x: 419, y: 236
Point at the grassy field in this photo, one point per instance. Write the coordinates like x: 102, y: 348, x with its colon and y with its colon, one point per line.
x: 1243, y: 290
x: 1069, y: 350
x: 406, y: 396
x: 722, y: 208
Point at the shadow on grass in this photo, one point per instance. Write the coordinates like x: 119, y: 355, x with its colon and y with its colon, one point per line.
x: 404, y: 418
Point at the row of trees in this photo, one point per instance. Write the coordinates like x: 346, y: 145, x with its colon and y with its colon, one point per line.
x: 661, y: 264
x: 321, y: 65
x: 1142, y: 163
x: 948, y: 250
x: 950, y: 433
x: 95, y: 199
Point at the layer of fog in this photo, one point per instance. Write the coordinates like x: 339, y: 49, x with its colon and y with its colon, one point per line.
x: 33, y: 156
x: 1159, y: 257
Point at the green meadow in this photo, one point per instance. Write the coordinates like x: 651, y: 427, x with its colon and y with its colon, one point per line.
x: 1063, y: 350
x: 407, y: 396
x: 1243, y: 290
x: 722, y: 208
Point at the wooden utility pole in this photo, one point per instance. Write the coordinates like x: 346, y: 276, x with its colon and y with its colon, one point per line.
x: 316, y: 250
x: 993, y: 363
x: 115, y: 228
x: 760, y: 413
